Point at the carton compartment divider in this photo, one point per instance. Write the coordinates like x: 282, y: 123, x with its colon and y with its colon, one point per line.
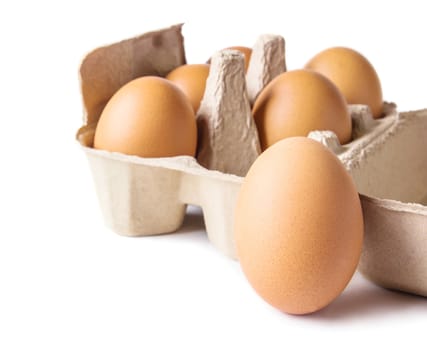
x: 228, y: 138
x: 267, y: 61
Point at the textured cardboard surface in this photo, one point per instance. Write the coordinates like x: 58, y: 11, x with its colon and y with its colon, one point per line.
x: 106, y: 69
x: 267, y: 61
x: 394, y: 254
x: 394, y: 166
x: 228, y: 138
x: 148, y: 196
x: 387, y: 158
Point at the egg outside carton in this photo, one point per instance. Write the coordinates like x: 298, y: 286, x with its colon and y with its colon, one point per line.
x: 148, y: 196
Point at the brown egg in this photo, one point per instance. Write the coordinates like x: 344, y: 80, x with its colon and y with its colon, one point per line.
x: 148, y: 117
x: 297, y: 102
x: 353, y: 74
x: 191, y: 78
x: 246, y: 51
x: 298, y: 226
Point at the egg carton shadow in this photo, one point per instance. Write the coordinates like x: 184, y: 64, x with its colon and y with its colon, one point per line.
x: 387, y: 158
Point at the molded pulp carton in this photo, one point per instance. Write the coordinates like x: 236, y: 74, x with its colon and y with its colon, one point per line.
x: 387, y: 157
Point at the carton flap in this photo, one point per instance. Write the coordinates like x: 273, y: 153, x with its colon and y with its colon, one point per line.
x: 106, y: 69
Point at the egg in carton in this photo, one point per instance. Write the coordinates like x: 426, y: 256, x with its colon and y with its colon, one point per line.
x: 387, y: 157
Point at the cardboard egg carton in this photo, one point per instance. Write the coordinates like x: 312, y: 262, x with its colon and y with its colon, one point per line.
x: 146, y: 196
x: 394, y: 253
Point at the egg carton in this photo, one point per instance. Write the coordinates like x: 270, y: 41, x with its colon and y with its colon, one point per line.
x: 387, y: 157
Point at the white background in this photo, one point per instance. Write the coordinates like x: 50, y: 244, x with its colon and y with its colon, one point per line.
x: 68, y: 282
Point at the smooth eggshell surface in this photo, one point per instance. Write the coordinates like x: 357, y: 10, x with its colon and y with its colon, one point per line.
x: 191, y: 79
x: 353, y: 74
x: 297, y: 102
x: 298, y: 226
x: 148, y: 117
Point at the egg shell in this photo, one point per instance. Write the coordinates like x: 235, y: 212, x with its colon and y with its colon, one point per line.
x: 144, y: 196
x: 298, y: 226
x: 297, y: 102
x: 148, y: 117
x: 191, y: 79
x: 353, y: 74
